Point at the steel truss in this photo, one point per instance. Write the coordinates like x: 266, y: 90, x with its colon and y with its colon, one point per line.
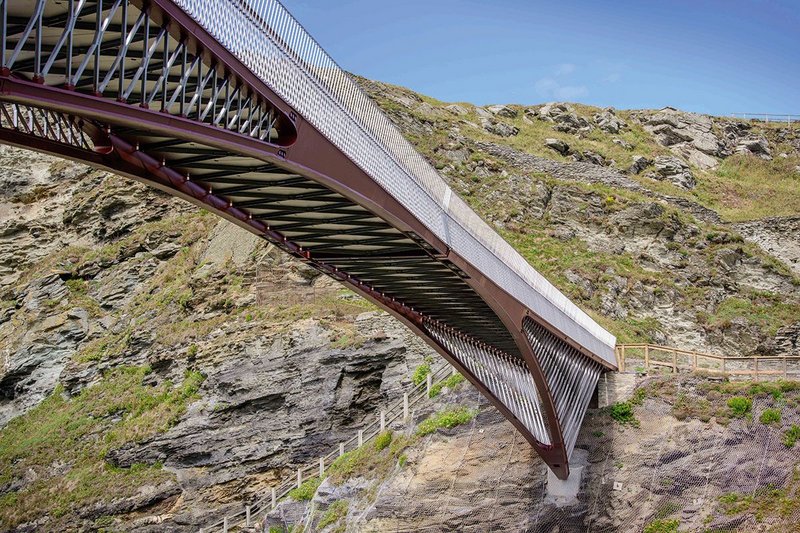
x: 140, y: 88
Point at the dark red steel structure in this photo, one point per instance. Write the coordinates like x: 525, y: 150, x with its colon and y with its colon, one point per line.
x: 143, y: 89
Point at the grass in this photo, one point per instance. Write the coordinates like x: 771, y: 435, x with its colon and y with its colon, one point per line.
x: 447, y: 418
x: 78, y: 433
x: 306, y: 490
x: 662, y: 526
x: 374, y: 462
x: 746, y: 187
x: 451, y: 383
x: 768, y: 311
x: 335, y: 512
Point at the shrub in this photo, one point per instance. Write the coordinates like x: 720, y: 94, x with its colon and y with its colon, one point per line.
x: 622, y: 412
x: 662, y: 526
x: 740, y: 406
x: 306, y: 490
x: 383, y: 440
x: 448, y: 418
x: 791, y: 436
x: 770, y: 416
x: 421, y: 372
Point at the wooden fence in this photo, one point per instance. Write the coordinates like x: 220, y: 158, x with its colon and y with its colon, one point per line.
x: 651, y: 357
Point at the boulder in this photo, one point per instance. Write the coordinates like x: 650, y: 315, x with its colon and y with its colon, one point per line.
x: 672, y: 127
x: 593, y: 158
x: 564, y: 117
x: 558, y: 145
x: 499, y: 128
x: 622, y: 142
x: 457, y: 109
x: 607, y: 121
x: 674, y: 170
x: 502, y: 111
x: 640, y: 163
x: 757, y: 146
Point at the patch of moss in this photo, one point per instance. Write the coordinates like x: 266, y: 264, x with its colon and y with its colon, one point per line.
x: 451, y: 383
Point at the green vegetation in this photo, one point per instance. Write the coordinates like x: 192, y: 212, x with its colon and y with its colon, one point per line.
x: 79, y: 432
x: 374, y: 462
x: 622, y: 412
x: 768, y: 311
x: 791, y: 436
x: 770, y: 416
x: 740, y: 406
x: 662, y: 526
x: 447, y: 418
x: 421, y: 372
x: 383, y: 440
x: 451, y: 383
x: 335, y: 512
x: 306, y: 490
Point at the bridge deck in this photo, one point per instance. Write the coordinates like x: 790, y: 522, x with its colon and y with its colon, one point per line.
x: 233, y: 106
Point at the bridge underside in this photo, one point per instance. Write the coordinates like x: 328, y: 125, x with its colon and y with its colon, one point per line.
x: 146, y: 93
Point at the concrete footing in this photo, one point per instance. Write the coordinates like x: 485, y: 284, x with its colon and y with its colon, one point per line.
x: 564, y: 493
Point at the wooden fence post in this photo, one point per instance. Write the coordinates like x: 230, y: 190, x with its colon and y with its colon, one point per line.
x: 341, y: 449
x: 274, y: 497
x: 694, y: 361
x: 383, y: 421
x: 321, y: 467
x: 405, y: 406
x: 428, y: 384
x: 360, y: 438
x: 247, y: 516
x: 674, y: 362
x: 647, y: 357
x: 299, y: 477
x: 755, y: 371
x: 784, y: 367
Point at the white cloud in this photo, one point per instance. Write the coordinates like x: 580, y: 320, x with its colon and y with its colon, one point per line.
x: 551, y: 89
x: 565, y: 69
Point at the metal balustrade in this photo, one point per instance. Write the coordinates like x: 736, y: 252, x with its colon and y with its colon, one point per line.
x: 233, y: 106
x: 270, y: 41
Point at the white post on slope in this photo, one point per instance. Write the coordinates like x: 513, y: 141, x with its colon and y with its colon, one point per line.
x: 428, y: 384
x: 225, y: 525
x: 247, y: 516
x: 341, y: 449
x: 360, y: 438
x: 405, y: 406
x: 299, y: 477
x: 383, y: 421
x: 274, y: 497
x: 321, y: 467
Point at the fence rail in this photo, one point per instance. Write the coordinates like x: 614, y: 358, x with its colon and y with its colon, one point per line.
x: 400, y: 410
x: 768, y: 117
x: 652, y: 356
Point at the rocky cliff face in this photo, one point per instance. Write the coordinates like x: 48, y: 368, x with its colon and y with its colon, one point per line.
x: 159, y: 366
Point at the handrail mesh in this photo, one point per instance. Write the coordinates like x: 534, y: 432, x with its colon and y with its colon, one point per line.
x: 283, y: 55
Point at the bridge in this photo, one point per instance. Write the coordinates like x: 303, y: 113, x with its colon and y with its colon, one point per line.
x: 232, y: 106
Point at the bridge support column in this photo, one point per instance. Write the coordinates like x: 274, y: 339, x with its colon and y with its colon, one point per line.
x: 564, y: 492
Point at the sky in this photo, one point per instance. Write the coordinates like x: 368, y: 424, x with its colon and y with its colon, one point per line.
x: 708, y: 56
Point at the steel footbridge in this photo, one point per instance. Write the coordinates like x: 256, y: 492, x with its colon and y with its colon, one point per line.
x: 232, y: 105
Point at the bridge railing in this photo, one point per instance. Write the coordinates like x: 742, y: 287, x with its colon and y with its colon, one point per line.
x: 652, y: 357
x: 276, y: 47
x: 397, y: 412
x: 788, y: 119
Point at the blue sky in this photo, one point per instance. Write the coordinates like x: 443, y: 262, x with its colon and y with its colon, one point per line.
x: 710, y: 56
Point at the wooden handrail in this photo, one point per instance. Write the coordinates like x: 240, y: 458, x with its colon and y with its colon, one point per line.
x: 694, y: 359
